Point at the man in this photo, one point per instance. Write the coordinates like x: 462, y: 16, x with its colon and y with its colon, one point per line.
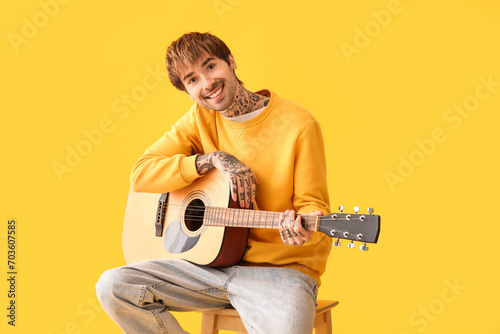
x: 273, y: 155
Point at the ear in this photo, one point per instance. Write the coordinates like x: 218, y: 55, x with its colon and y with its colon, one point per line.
x: 232, y: 62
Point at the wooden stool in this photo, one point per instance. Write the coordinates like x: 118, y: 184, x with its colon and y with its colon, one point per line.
x: 228, y: 319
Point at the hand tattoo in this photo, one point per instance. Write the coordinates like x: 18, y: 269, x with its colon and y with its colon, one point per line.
x: 243, y: 180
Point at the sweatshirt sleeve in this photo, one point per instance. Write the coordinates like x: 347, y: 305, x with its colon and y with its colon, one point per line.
x: 310, y: 180
x: 169, y: 164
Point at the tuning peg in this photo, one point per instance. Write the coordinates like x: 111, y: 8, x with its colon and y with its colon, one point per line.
x: 337, y: 243
x: 341, y: 208
x: 370, y: 210
x: 351, y: 245
x: 364, y: 247
x: 356, y: 209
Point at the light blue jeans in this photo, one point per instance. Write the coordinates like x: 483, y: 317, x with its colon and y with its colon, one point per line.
x: 139, y: 297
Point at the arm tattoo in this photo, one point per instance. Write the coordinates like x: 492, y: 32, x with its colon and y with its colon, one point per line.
x: 204, y: 163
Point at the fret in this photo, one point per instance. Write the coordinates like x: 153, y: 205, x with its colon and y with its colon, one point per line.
x: 220, y: 217
x: 207, y: 216
x: 234, y: 220
x: 225, y: 216
x: 230, y: 217
x: 252, y: 218
x: 247, y: 219
x: 236, y: 217
x: 214, y: 216
x: 243, y: 220
x: 211, y: 217
x: 276, y: 220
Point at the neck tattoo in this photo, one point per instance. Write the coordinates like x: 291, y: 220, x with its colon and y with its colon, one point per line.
x: 245, y: 102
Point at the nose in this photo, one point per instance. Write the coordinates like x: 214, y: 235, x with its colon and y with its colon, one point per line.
x: 208, y: 83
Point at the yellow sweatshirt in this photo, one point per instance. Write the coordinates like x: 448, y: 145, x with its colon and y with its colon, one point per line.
x: 283, y: 146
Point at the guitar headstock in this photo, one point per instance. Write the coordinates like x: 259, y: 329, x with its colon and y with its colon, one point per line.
x: 351, y: 226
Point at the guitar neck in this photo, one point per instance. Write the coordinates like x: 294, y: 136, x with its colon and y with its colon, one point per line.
x: 218, y: 216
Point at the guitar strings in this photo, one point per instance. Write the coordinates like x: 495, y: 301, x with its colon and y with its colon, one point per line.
x: 253, y: 222
x: 240, y: 213
x: 200, y: 208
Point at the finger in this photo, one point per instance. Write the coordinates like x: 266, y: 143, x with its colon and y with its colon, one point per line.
x: 302, y: 235
x: 284, y: 232
x: 252, y: 189
x: 234, y: 188
x: 255, y: 178
x: 281, y: 227
x: 248, y: 190
x: 241, y: 192
x: 292, y: 225
x: 289, y: 221
x: 316, y: 213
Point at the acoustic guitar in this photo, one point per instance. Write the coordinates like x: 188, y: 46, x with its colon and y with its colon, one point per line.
x: 200, y: 223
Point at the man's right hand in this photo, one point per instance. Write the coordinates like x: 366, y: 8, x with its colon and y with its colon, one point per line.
x: 243, y: 180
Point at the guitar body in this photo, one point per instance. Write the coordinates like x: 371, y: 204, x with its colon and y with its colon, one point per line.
x: 183, y: 234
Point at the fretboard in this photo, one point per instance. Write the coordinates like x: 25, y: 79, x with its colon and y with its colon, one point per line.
x: 216, y: 216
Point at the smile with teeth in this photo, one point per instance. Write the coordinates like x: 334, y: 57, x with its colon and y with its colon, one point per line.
x: 215, y: 94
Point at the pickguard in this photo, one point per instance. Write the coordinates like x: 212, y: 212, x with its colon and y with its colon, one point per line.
x: 176, y: 241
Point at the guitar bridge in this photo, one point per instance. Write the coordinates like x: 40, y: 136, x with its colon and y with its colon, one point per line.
x: 160, y: 214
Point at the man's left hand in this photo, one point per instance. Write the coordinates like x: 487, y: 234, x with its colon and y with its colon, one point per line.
x: 291, y: 230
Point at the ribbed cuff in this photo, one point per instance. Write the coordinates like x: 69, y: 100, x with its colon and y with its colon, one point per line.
x: 188, y: 168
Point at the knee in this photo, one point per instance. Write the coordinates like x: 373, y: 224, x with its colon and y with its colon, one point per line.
x: 107, y: 287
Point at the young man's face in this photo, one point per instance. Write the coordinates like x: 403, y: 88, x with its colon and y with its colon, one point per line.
x: 211, y: 82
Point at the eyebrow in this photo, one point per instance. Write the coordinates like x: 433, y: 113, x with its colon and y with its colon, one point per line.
x: 202, y: 65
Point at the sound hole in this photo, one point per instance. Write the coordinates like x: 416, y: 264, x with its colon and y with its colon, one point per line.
x: 193, y: 217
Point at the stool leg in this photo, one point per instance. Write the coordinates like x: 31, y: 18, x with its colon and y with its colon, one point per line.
x: 208, y: 324
x: 326, y: 327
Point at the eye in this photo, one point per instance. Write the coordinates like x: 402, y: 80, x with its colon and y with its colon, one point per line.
x: 191, y: 81
x: 210, y: 67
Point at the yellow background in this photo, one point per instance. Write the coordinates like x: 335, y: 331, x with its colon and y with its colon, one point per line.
x: 69, y: 74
